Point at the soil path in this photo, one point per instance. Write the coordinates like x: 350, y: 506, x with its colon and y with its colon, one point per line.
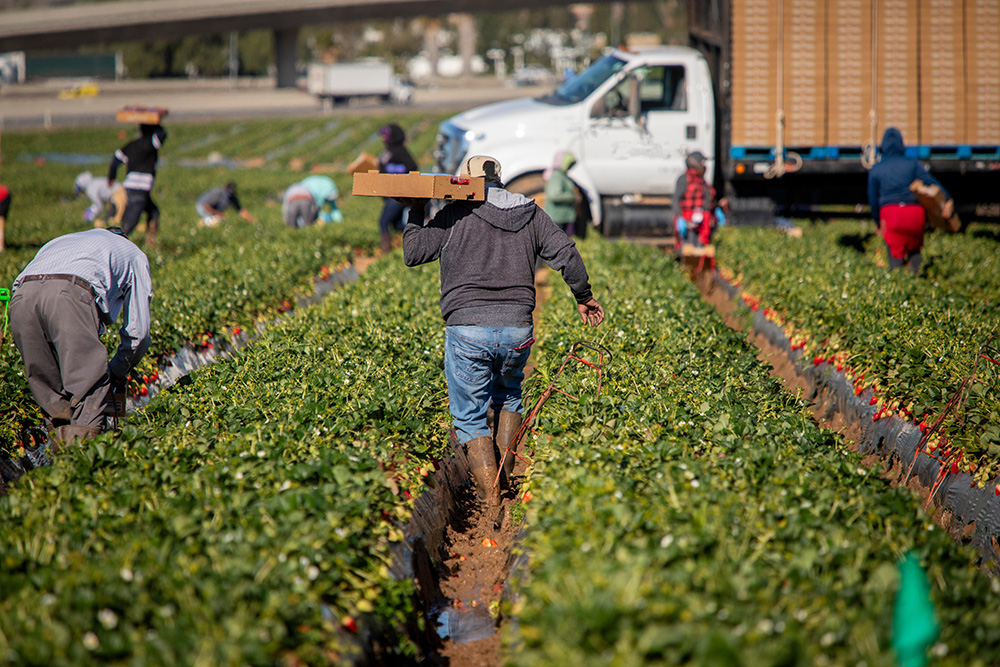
x: 481, y: 554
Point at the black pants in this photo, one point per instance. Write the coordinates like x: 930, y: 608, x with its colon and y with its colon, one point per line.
x: 138, y: 202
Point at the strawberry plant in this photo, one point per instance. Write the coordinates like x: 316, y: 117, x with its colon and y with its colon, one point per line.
x: 912, y: 341
x: 695, y: 513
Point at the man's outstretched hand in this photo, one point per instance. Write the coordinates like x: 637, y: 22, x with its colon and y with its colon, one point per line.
x: 591, y: 312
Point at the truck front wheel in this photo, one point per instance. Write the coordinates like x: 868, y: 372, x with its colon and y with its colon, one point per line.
x: 531, y: 186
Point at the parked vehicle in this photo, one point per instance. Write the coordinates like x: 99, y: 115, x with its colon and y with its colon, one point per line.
x: 786, y: 139
x: 340, y: 82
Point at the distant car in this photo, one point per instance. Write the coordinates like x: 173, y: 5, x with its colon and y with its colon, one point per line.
x: 532, y: 75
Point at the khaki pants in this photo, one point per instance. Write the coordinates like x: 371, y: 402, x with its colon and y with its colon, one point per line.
x: 55, y: 326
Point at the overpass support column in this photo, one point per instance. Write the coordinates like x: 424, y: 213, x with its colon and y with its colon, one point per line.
x: 285, y: 42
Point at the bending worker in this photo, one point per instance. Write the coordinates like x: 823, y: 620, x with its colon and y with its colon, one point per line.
x: 75, y: 286
x: 213, y: 204
x: 488, y: 251
x: 102, y: 195
x: 312, y: 198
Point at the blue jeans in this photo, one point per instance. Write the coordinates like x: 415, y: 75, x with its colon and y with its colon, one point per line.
x: 484, y: 366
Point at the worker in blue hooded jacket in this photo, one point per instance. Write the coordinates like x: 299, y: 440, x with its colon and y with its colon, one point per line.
x: 895, y: 208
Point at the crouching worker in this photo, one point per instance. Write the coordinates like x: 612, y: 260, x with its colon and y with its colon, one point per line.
x: 487, y: 252
x: 75, y: 286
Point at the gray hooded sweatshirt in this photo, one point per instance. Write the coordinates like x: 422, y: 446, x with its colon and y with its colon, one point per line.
x: 488, y: 252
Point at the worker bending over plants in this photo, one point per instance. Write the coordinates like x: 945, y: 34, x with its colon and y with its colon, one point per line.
x: 213, y: 204
x: 75, y: 286
x: 488, y: 251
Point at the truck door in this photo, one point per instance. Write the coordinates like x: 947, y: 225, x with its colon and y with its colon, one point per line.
x: 640, y: 131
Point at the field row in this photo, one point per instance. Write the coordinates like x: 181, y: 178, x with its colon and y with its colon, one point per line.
x: 695, y: 513
x: 910, y: 341
x: 207, y: 281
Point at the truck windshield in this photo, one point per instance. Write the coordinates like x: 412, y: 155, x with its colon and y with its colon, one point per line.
x: 583, y: 84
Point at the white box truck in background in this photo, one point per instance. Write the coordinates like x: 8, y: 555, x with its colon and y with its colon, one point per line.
x: 339, y: 82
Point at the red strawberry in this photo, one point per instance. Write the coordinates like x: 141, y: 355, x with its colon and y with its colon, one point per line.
x: 954, y: 467
x: 143, y: 391
x: 349, y: 624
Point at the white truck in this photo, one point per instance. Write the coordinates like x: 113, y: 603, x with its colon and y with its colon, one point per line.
x: 339, y: 82
x: 785, y: 132
x: 631, y: 118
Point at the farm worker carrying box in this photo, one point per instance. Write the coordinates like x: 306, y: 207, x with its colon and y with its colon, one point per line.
x: 901, y: 219
x: 139, y: 157
x: 213, y: 204
x: 75, y: 286
x: 488, y: 251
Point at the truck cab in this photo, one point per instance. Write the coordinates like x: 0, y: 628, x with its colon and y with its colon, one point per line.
x: 630, y: 119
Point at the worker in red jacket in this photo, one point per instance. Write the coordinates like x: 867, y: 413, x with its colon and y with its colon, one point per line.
x: 694, y: 204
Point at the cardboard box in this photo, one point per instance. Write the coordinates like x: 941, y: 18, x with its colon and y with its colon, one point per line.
x: 141, y: 115
x: 365, y: 162
x: 419, y: 186
x: 933, y: 200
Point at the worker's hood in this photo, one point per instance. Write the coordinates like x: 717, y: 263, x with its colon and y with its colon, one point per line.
x: 892, y: 143
x: 393, y: 135
x: 509, y: 211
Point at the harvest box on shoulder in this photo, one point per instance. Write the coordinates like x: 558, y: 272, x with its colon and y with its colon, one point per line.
x: 419, y: 186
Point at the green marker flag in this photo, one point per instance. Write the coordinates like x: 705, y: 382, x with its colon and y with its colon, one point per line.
x: 914, y: 626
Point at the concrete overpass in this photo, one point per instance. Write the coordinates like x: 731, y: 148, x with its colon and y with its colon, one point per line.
x: 144, y: 20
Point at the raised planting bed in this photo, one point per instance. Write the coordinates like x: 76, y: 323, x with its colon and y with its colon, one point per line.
x: 246, y: 516
x: 696, y: 513
x: 909, y: 342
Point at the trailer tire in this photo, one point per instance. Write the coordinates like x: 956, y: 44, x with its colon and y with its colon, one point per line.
x: 752, y: 211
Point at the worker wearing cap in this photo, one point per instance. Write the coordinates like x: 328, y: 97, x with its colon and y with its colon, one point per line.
x: 694, y: 203
x: 76, y: 286
x: 139, y: 157
x: 213, y: 204
x: 488, y: 252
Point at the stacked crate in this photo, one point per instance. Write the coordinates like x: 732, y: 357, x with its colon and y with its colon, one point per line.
x: 804, y: 72
x: 942, y: 72
x: 849, y: 72
x: 897, y: 91
x: 755, y: 73
x: 982, y: 62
